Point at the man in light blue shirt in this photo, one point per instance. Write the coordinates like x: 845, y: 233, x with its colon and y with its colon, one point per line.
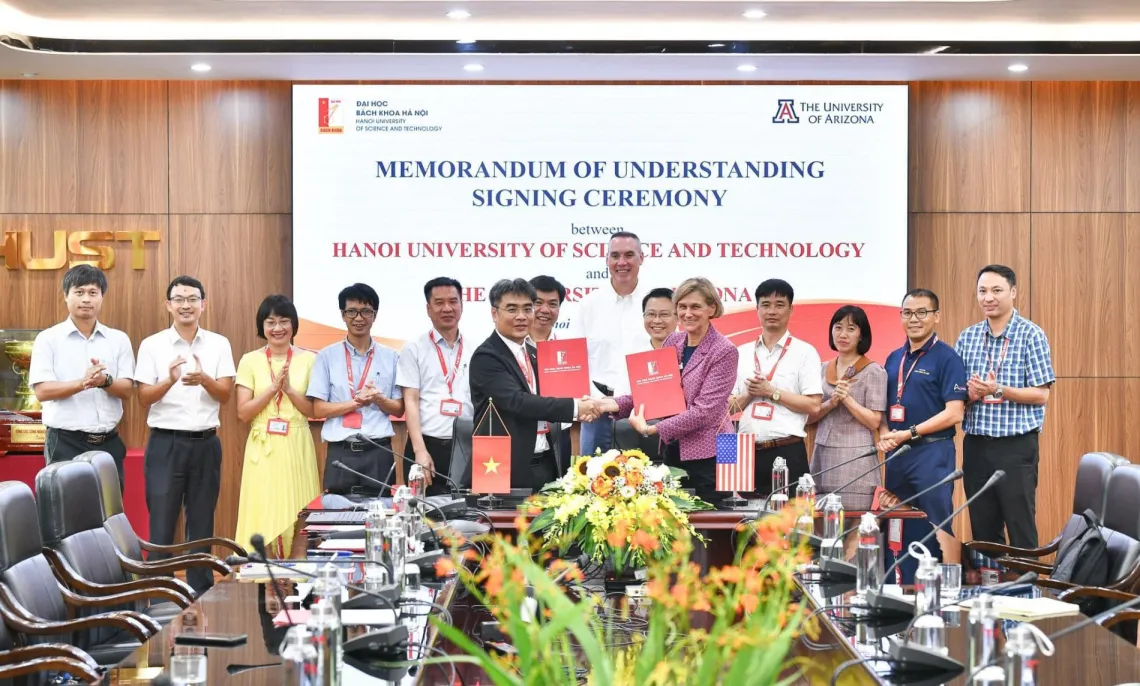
x: 353, y: 387
x: 81, y: 372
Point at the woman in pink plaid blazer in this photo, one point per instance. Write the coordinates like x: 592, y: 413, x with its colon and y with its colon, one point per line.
x: 708, y: 373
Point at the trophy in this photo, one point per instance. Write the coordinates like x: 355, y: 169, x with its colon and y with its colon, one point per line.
x: 20, y: 352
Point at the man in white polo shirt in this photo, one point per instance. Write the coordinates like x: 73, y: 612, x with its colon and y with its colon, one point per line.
x: 610, y: 320
x: 433, y: 373
x: 185, y: 374
x: 81, y: 373
x: 778, y: 385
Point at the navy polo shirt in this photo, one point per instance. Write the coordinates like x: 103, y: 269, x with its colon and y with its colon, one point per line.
x: 938, y: 377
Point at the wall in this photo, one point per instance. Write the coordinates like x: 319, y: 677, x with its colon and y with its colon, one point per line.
x: 1044, y: 177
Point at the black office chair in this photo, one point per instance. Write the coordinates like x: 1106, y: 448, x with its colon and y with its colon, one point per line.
x: 462, y: 431
x: 625, y: 437
x: 127, y: 542
x: 81, y: 552
x: 1090, y: 493
x: 34, y: 604
x: 28, y: 662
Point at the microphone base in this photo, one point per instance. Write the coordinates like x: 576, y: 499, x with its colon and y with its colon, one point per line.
x: 733, y: 502
x: 832, y: 569
x: 879, y: 604
x: 920, y: 660
x: 811, y: 540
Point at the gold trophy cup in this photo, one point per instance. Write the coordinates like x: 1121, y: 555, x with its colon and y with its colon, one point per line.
x: 20, y: 352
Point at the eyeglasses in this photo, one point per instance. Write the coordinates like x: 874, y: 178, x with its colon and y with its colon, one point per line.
x: 180, y: 301
x: 921, y: 314
x: 278, y: 324
x: 513, y: 310
x: 353, y: 313
x: 656, y: 315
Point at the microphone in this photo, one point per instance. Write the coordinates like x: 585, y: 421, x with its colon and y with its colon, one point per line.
x: 258, y: 543
x: 454, y: 484
x: 874, y: 451
x: 833, y: 568
x: 898, y: 452
x: 365, y: 439
x: 879, y: 603
x: 340, y: 465
x: 241, y: 669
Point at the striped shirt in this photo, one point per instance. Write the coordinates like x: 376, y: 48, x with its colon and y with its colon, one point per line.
x: 1026, y: 363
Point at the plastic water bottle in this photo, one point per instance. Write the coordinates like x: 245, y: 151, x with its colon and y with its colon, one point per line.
x: 326, y: 629
x: 980, y: 627
x: 395, y: 550
x: 929, y: 628
x: 779, y: 499
x: 869, y: 556
x: 1021, y: 657
x: 374, y: 532
x: 805, y: 492
x: 299, y: 657
x: 417, y: 482
x: 833, y: 528
x: 328, y: 586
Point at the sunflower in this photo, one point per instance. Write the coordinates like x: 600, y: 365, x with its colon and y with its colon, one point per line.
x: 582, y: 465
x: 612, y: 470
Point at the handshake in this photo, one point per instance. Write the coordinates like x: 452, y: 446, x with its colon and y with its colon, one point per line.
x: 590, y: 409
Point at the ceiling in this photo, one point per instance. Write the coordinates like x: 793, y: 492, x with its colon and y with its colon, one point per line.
x: 1084, y: 20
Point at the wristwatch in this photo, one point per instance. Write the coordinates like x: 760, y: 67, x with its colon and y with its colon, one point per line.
x: 645, y: 433
x: 998, y: 393
x: 776, y: 396
x: 914, y: 432
x: 109, y: 380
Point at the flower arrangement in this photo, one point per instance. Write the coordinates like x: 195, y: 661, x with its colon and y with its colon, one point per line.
x: 617, y: 507
x: 734, y: 626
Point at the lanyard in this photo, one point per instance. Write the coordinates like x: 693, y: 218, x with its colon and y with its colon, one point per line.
x: 1001, y: 358
x: 363, y: 374
x: 783, y: 351
x: 902, y: 363
x: 273, y: 377
x: 448, y: 379
x: 524, y: 364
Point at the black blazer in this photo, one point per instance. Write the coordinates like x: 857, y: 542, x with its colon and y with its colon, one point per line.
x: 495, y: 373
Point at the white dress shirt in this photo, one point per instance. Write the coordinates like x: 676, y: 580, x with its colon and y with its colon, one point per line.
x: 518, y: 350
x: 420, y: 368
x: 797, y: 372
x: 613, y: 327
x: 184, y: 408
x: 62, y: 353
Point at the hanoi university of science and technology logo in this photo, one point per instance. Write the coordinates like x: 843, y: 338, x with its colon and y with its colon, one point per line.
x: 786, y: 112
x: 560, y: 358
x: 651, y: 367
x: 330, y: 116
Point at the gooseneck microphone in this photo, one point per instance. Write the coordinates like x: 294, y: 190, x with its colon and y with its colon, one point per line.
x: 901, y: 451
x: 904, y: 448
x: 455, y: 485
x: 834, y: 569
x: 881, y: 604
x: 419, y: 501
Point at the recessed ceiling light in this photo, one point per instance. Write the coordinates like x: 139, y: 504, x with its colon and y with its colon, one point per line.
x: 716, y: 45
x: 1018, y: 67
x: 472, y: 67
x: 201, y: 66
x: 465, y: 41
x: 29, y: 75
x: 755, y: 14
x: 746, y: 67
x: 458, y: 14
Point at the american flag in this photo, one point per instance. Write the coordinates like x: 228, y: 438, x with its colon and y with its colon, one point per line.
x: 736, y: 462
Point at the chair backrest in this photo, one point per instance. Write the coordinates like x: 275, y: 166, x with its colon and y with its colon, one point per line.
x: 1122, y: 521
x: 462, y: 431
x: 627, y: 438
x: 23, y: 567
x: 115, y: 519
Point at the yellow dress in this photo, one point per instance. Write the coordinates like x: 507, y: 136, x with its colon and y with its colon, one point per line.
x: 279, y: 476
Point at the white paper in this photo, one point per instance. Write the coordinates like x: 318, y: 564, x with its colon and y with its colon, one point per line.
x: 382, y: 617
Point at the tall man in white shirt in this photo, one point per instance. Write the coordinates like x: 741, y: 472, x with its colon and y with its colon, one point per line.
x: 433, y: 375
x: 778, y: 385
x: 610, y: 319
x: 185, y: 374
x: 81, y: 373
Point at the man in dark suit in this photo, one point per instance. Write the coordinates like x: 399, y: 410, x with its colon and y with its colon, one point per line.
x: 503, y: 370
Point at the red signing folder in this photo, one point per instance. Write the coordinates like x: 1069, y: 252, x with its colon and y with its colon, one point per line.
x: 655, y: 379
x: 563, y: 369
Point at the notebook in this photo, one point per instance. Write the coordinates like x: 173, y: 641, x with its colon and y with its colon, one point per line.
x: 1028, y: 609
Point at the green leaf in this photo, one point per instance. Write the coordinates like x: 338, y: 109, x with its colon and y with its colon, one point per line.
x: 497, y: 674
x: 542, y: 521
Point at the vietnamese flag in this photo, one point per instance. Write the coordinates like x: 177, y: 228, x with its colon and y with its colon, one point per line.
x: 490, y: 464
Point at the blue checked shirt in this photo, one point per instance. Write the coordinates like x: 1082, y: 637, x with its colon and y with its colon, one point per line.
x: 1027, y: 364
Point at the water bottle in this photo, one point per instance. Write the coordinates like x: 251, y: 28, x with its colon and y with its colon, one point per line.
x: 328, y: 586
x: 324, y: 625
x: 832, y: 546
x: 1020, y: 657
x: 779, y: 499
x: 980, y: 626
x: 374, y: 531
x: 409, y: 513
x: 299, y: 657
x: 417, y: 483
x: 869, y: 556
x: 395, y: 550
x: 805, y: 493
x: 929, y: 628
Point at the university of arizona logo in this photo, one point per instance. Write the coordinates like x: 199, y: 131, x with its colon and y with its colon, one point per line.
x: 786, y: 112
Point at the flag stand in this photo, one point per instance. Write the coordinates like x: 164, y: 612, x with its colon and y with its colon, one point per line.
x: 734, y: 501
x: 491, y: 501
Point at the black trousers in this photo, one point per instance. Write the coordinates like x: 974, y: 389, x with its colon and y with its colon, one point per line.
x: 182, y: 471
x: 701, y: 474
x: 1011, y: 505
x: 543, y: 469
x: 440, y: 451
x: 62, y: 446
x: 796, y: 457
x: 364, y: 458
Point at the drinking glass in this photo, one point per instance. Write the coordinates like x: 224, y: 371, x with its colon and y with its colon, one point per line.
x: 951, y: 580
x: 188, y: 663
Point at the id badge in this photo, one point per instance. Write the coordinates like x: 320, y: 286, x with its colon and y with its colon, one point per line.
x: 352, y: 420
x: 278, y: 427
x: 544, y: 427
x: 897, y: 413
x: 990, y: 400
x: 450, y: 407
x: 763, y: 411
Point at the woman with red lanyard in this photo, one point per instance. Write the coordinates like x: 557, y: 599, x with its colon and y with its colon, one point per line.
x: 279, y: 476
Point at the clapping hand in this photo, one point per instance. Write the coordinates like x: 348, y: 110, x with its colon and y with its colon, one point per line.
x: 94, y: 376
x: 194, y: 376
x: 842, y: 391
x: 369, y: 395
x: 176, y: 368
x: 759, y: 387
x: 283, y: 380
x: 979, y: 388
x: 892, y: 439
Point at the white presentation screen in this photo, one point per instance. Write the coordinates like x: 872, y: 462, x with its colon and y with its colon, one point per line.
x: 395, y: 185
